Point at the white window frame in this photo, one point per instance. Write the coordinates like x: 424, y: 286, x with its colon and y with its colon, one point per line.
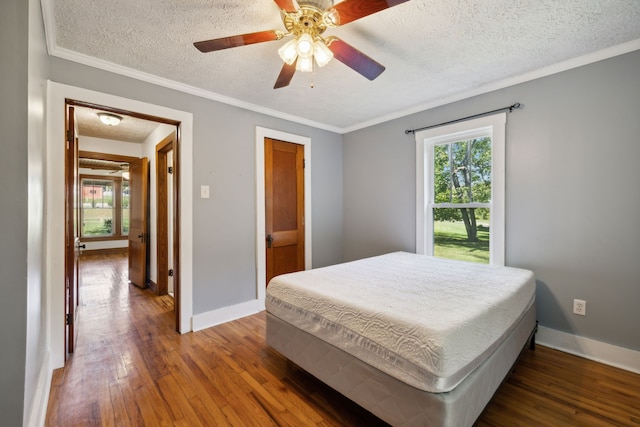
x: 494, y: 126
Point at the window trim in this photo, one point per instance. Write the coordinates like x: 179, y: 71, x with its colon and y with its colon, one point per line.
x: 494, y: 125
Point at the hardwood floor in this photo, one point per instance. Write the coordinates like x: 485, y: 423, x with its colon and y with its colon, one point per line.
x: 131, y: 368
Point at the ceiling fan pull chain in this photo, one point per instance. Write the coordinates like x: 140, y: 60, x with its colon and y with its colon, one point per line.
x: 313, y: 75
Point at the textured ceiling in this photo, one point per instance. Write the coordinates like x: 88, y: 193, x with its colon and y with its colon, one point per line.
x: 130, y: 129
x: 433, y: 50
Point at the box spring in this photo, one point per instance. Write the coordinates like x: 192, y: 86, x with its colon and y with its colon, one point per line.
x: 389, y: 398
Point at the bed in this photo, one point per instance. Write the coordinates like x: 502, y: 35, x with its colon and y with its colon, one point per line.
x: 416, y: 340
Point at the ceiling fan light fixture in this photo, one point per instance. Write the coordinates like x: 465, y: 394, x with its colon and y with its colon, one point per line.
x: 306, y: 21
x: 321, y: 53
x: 110, y: 119
x: 289, y: 51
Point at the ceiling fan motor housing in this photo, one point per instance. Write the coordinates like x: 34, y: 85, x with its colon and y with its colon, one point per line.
x: 311, y: 18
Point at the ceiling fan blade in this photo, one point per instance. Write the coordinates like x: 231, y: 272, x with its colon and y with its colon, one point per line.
x: 286, y: 74
x: 355, y: 59
x: 350, y: 10
x: 287, y: 5
x: 235, y: 41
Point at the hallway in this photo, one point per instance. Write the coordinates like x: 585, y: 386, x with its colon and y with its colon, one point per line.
x: 116, y: 323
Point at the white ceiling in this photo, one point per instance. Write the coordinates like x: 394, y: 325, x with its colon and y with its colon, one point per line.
x: 435, y: 51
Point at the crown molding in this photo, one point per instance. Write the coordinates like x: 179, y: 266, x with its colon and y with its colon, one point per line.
x: 569, y: 64
x: 185, y: 88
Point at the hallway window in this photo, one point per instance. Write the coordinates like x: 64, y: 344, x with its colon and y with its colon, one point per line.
x: 105, y: 207
x: 124, y: 229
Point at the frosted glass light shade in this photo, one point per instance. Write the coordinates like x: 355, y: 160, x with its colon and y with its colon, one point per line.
x: 305, y: 46
x: 321, y: 53
x: 305, y: 64
x: 110, y: 119
x: 288, y: 51
x: 304, y: 49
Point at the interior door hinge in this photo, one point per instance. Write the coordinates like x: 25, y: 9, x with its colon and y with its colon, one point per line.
x: 69, y: 135
x: 68, y: 319
x: 171, y: 272
x: 170, y: 169
x: 304, y: 163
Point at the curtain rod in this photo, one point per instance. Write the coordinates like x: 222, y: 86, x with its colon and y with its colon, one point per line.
x: 509, y: 108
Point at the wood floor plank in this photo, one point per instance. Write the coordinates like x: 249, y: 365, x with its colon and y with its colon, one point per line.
x: 131, y: 369
x: 232, y: 417
x: 179, y: 404
x: 116, y: 400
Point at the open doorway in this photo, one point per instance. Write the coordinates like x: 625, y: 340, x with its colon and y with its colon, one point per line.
x: 57, y: 95
x: 109, y: 199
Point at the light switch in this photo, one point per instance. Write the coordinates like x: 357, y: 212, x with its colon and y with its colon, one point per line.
x: 204, y: 191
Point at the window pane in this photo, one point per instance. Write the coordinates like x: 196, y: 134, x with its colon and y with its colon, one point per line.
x: 97, y: 207
x: 441, y: 174
x: 461, y: 234
x: 462, y: 171
x: 480, y: 164
x: 125, y: 208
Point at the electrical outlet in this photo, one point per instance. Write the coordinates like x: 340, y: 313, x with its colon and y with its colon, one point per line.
x: 580, y: 307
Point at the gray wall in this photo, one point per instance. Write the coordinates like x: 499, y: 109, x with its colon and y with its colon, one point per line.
x: 572, y: 197
x: 14, y: 16
x: 224, y: 269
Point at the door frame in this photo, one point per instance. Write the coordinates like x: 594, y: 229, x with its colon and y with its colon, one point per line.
x: 57, y: 93
x: 162, y: 217
x: 261, y: 247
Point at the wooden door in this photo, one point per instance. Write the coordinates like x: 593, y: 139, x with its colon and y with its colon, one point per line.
x: 284, y: 207
x: 72, y: 232
x: 138, y: 219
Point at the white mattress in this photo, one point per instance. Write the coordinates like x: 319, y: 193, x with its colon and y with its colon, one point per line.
x: 426, y: 321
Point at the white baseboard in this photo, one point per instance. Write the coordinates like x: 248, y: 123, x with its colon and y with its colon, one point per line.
x: 38, y: 412
x: 588, y: 348
x: 225, y: 314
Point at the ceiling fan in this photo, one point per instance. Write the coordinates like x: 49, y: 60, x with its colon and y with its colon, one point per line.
x: 306, y: 21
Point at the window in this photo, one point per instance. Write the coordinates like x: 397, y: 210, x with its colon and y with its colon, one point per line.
x: 460, y: 190
x: 105, y: 207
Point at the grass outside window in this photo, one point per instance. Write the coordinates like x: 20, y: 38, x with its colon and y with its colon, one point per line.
x: 450, y: 241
